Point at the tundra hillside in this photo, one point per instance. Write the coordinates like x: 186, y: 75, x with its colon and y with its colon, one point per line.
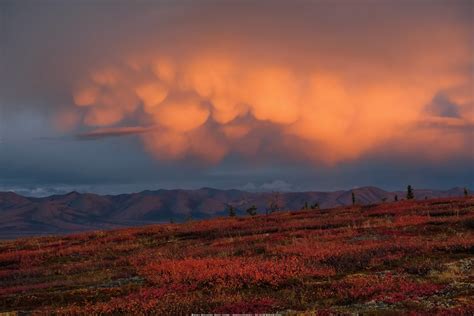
x: 398, y: 258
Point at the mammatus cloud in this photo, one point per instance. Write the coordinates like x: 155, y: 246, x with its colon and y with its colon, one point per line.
x: 320, y: 90
x: 218, y: 104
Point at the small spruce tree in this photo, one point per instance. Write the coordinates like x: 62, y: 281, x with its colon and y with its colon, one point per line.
x: 252, y: 211
x: 396, y: 197
x: 315, y: 206
x: 466, y: 193
x: 231, y: 210
x: 353, y: 198
x: 410, y: 194
x: 305, y: 206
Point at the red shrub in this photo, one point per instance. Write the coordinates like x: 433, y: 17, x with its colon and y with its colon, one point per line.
x: 230, y: 272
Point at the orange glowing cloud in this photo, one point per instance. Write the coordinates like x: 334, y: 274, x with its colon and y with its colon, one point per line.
x: 164, y: 69
x: 102, y: 116
x: 181, y: 115
x: 86, y: 95
x: 340, y: 99
x: 274, y: 95
x: 166, y: 144
x: 151, y: 94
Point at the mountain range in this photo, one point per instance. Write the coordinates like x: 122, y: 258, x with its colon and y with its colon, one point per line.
x: 75, y: 212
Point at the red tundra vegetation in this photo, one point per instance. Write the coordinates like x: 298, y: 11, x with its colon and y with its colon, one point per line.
x: 407, y: 257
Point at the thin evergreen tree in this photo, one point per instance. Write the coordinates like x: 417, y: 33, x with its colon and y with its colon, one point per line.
x: 231, y: 210
x: 305, y: 206
x: 410, y: 194
x: 252, y: 211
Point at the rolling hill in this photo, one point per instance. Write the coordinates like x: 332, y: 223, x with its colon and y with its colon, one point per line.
x: 75, y: 212
x: 393, y: 258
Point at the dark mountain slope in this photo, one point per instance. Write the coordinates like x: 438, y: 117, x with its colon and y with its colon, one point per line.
x: 72, y: 212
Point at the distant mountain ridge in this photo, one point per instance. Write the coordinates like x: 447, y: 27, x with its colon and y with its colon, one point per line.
x: 75, y: 212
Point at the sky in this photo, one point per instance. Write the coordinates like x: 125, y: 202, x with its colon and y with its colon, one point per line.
x: 123, y: 96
